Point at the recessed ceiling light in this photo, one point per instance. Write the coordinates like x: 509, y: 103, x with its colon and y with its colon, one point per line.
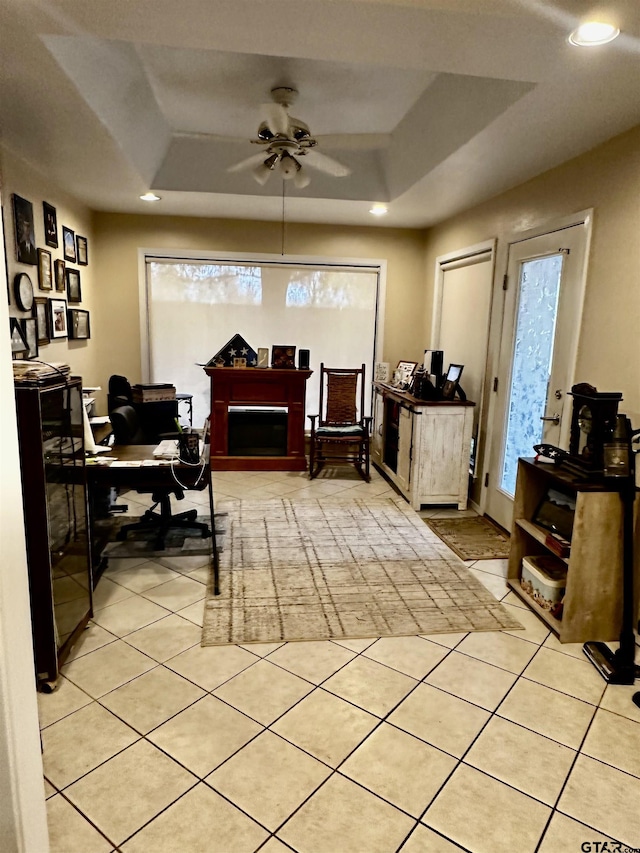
x: 379, y: 210
x: 593, y: 33
x: 150, y: 197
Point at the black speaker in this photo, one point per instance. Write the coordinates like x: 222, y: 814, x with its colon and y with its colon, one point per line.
x: 303, y: 359
x: 437, y: 356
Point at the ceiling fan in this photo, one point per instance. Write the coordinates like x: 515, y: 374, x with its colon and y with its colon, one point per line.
x: 287, y: 146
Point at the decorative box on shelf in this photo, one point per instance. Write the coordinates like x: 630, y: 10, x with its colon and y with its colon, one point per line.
x: 544, y: 578
x: 155, y: 393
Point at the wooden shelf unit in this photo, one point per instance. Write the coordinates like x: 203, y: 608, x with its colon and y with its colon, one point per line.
x: 593, y: 596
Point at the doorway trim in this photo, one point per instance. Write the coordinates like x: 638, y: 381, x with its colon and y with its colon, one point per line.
x: 581, y: 217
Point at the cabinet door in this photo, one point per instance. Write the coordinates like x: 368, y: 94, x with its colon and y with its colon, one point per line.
x: 444, y: 460
x: 405, y: 438
x: 377, y: 437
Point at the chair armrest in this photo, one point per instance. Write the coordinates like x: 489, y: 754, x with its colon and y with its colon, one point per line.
x: 366, y: 422
x: 313, y: 419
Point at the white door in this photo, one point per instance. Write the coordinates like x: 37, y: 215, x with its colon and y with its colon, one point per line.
x: 462, y: 313
x: 542, y: 317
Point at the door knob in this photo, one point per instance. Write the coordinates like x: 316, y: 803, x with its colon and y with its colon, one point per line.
x: 554, y: 419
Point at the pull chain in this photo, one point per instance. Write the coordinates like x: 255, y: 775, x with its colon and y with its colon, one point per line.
x: 282, y: 248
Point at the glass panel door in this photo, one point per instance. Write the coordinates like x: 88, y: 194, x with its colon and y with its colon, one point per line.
x: 539, y: 289
x: 537, y: 351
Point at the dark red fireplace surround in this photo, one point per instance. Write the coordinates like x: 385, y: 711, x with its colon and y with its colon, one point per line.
x: 254, y: 386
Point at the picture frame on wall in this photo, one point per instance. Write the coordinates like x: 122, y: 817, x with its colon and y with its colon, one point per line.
x: 60, y: 275
x: 74, y: 293
x: 68, y: 244
x: 82, y: 250
x: 41, y: 315
x: 30, y: 332
x: 57, y: 318
x: 25, y: 231
x: 45, y: 276
x: 50, y: 224
x: 18, y: 342
x: 78, y: 322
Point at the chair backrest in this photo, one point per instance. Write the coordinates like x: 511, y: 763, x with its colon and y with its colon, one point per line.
x: 126, y: 426
x: 341, y: 395
x: 119, y: 393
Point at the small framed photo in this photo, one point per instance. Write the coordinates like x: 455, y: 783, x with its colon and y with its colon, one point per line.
x: 403, y: 374
x: 74, y: 293
x: 451, y: 380
x: 263, y: 357
x: 57, y: 318
x: 78, y: 322
x: 41, y: 316
x: 82, y: 250
x: 69, y: 244
x: 45, y: 276
x: 50, y: 225
x: 381, y: 373
x: 30, y: 332
x: 283, y: 357
x: 19, y: 344
x: 60, y: 275
x: 25, y: 231
x: 239, y: 362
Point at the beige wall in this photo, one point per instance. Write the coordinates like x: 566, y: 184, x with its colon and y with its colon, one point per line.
x: 606, y: 179
x: 118, y: 238
x: 18, y: 177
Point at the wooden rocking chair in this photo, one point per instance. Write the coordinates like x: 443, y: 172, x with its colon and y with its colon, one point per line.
x: 340, y: 433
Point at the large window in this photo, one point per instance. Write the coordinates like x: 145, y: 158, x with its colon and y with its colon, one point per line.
x: 196, y: 306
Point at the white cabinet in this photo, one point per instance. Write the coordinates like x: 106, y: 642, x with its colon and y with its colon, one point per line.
x: 423, y: 446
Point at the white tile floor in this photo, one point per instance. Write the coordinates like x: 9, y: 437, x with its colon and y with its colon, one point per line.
x: 489, y: 743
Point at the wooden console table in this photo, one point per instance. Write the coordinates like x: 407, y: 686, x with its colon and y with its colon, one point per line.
x: 257, y: 387
x: 423, y: 446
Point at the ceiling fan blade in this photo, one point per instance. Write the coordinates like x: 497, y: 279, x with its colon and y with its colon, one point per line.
x: 354, y: 141
x: 210, y: 137
x: 323, y: 163
x: 277, y: 119
x: 254, y: 160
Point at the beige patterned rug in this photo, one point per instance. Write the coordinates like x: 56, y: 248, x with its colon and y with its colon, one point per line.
x: 308, y: 570
x: 475, y: 538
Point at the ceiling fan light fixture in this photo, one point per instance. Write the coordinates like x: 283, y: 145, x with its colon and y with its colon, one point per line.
x: 593, y: 33
x: 264, y: 132
x: 261, y: 173
x: 289, y: 166
x: 301, y: 179
x: 263, y: 170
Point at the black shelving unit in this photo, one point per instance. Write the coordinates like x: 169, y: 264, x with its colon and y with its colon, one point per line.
x: 51, y: 441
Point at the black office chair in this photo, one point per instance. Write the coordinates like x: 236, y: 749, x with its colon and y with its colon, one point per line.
x: 119, y: 393
x: 126, y: 426
x: 127, y: 430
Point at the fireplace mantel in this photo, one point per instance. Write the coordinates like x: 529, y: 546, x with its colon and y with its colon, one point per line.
x: 257, y: 387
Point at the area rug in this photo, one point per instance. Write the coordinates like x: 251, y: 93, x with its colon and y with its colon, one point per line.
x: 475, y: 538
x: 311, y: 570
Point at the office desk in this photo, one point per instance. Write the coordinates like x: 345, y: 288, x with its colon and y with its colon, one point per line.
x: 150, y: 477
